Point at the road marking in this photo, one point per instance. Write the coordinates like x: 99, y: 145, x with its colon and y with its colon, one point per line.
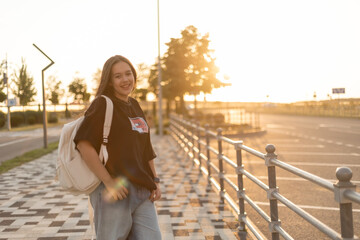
x: 12, y: 142
x: 320, y: 154
x: 286, y: 140
x: 307, y: 207
x: 319, y: 139
x: 308, y: 164
x: 300, y: 146
x: 275, y: 126
x: 344, y: 131
x: 289, y: 178
x: 333, y: 126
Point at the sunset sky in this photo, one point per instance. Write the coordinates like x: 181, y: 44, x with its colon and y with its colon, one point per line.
x: 286, y: 50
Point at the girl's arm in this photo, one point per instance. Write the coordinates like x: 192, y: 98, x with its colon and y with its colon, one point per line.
x: 91, y: 158
x: 155, y: 194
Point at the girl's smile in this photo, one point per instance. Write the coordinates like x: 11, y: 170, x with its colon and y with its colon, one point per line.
x: 122, y: 80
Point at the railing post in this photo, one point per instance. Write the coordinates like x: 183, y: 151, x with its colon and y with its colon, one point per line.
x: 241, y: 190
x: 344, y: 175
x: 183, y: 130
x: 208, y: 161
x: 221, y: 167
x: 193, y: 132
x: 270, y: 154
x: 199, y: 144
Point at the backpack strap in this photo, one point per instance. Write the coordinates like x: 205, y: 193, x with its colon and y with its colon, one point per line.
x: 108, y: 119
x: 103, y: 155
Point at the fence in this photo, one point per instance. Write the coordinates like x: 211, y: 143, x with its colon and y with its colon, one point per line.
x: 194, y: 139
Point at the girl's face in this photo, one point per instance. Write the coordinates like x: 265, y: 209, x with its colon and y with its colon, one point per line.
x: 122, y: 80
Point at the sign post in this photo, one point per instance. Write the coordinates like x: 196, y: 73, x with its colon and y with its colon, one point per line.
x: 338, y: 91
x: 43, y: 93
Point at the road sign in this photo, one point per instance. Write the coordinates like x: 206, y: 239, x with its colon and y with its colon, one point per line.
x: 338, y: 90
x: 11, y: 102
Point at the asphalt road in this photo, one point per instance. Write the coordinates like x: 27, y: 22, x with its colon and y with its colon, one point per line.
x: 13, y: 144
x: 315, y: 144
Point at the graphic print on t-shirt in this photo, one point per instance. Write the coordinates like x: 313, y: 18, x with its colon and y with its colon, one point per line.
x: 139, y: 124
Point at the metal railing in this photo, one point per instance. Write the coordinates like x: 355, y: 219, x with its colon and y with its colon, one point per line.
x: 194, y: 139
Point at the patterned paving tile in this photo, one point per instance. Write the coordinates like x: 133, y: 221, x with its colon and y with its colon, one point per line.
x: 34, y: 207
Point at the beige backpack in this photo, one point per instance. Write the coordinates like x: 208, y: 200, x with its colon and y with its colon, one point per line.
x: 72, y: 172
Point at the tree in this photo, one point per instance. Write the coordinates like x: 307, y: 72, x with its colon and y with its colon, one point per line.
x: 2, y: 83
x: 188, y: 66
x: 54, y: 91
x: 24, y: 85
x: 2, y: 94
x: 78, y: 88
x: 141, y: 89
x: 96, y: 79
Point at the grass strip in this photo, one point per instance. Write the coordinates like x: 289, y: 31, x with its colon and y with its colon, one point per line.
x: 27, y: 157
x: 31, y: 127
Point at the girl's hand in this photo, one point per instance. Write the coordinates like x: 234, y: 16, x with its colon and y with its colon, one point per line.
x: 155, y: 194
x: 116, y: 190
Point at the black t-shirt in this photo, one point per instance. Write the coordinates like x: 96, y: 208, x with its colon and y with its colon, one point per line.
x: 129, y: 146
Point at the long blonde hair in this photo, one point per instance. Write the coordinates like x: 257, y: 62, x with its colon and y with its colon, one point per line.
x: 104, y: 86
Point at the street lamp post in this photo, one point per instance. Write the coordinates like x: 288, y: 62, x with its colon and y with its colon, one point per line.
x: 159, y: 75
x: 43, y: 93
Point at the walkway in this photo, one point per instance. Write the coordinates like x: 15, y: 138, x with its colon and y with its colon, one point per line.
x: 33, y: 207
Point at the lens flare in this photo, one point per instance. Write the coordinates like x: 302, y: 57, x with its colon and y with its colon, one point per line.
x: 110, y: 195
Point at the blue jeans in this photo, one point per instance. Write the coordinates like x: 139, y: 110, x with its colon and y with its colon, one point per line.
x: 133, y: 218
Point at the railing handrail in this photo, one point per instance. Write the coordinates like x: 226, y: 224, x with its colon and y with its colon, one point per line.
x: 352, y: 195
x: 344, y: 190
x: 303, y: 174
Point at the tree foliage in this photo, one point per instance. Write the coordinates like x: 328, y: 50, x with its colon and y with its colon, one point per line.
x: 54, y: 90
x: 2, y: 84
x: 24, y: 85
x: 78, y: 89
x: 2, y: 94
x: 188, y: 66
x: 96, y: 79
x: 141, y: 90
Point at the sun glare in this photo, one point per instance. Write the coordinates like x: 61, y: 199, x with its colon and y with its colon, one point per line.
x: 268, y: 50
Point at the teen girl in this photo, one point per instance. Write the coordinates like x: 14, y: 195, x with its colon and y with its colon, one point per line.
x: 124, y: 202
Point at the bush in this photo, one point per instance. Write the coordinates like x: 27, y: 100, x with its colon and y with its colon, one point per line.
x: 33, y: 117
x: 31, y: 120
x: 52, y: 118
x: 218, y: 118
x: 199, y: 115
x: 39, y: 117
x: 16, y: 119
x: 2, y: 119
